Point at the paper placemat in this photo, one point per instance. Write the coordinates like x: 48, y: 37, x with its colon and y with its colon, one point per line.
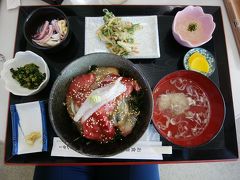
x: 148, y: 147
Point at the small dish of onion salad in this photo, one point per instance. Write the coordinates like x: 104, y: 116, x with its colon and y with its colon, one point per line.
x: 50, y: 33
x: 47, y: 29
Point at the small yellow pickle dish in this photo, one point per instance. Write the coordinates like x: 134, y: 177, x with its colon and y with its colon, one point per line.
x: 200, y: 60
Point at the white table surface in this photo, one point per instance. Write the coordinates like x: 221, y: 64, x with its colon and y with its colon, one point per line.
x: 8, y: 23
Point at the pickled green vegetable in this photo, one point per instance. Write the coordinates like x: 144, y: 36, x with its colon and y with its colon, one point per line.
x: 28, y: 76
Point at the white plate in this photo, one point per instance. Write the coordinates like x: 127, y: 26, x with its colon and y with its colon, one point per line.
x: 146, y: 38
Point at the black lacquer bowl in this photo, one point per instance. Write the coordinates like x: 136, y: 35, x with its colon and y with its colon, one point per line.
x: 36, y: 18
x: 63, y: 124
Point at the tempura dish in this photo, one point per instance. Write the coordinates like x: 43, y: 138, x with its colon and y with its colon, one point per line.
x: 118, y: 34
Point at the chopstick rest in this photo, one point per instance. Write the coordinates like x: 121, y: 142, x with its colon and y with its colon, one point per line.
x: 29, y: 133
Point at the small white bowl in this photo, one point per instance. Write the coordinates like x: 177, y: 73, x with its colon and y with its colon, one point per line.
x: 22, y: 58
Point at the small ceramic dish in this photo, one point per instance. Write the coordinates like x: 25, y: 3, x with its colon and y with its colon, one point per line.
x: 38, y: 18
x: 192, y: 27
x: 208, y: 56
x: 22, y: 58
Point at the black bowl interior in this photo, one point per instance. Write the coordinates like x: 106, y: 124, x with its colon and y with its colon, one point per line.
x: 63, y: 124
x: 37, y: 18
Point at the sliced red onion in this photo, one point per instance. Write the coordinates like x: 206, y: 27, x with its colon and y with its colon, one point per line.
x: 55, y: 25
x: 40, y: 29
x: 43, y: 32
x: 46, y: 38
x: 36, y: 35
x: 49, y: 34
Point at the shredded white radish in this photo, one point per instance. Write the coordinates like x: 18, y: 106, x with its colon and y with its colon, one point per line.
x: 176, y: 102
x: 107, y: 94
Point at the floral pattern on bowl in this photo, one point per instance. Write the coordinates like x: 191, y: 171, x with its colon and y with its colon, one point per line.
x: 22, y: 58
x: 209, y: 57
x: 192, y: 27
